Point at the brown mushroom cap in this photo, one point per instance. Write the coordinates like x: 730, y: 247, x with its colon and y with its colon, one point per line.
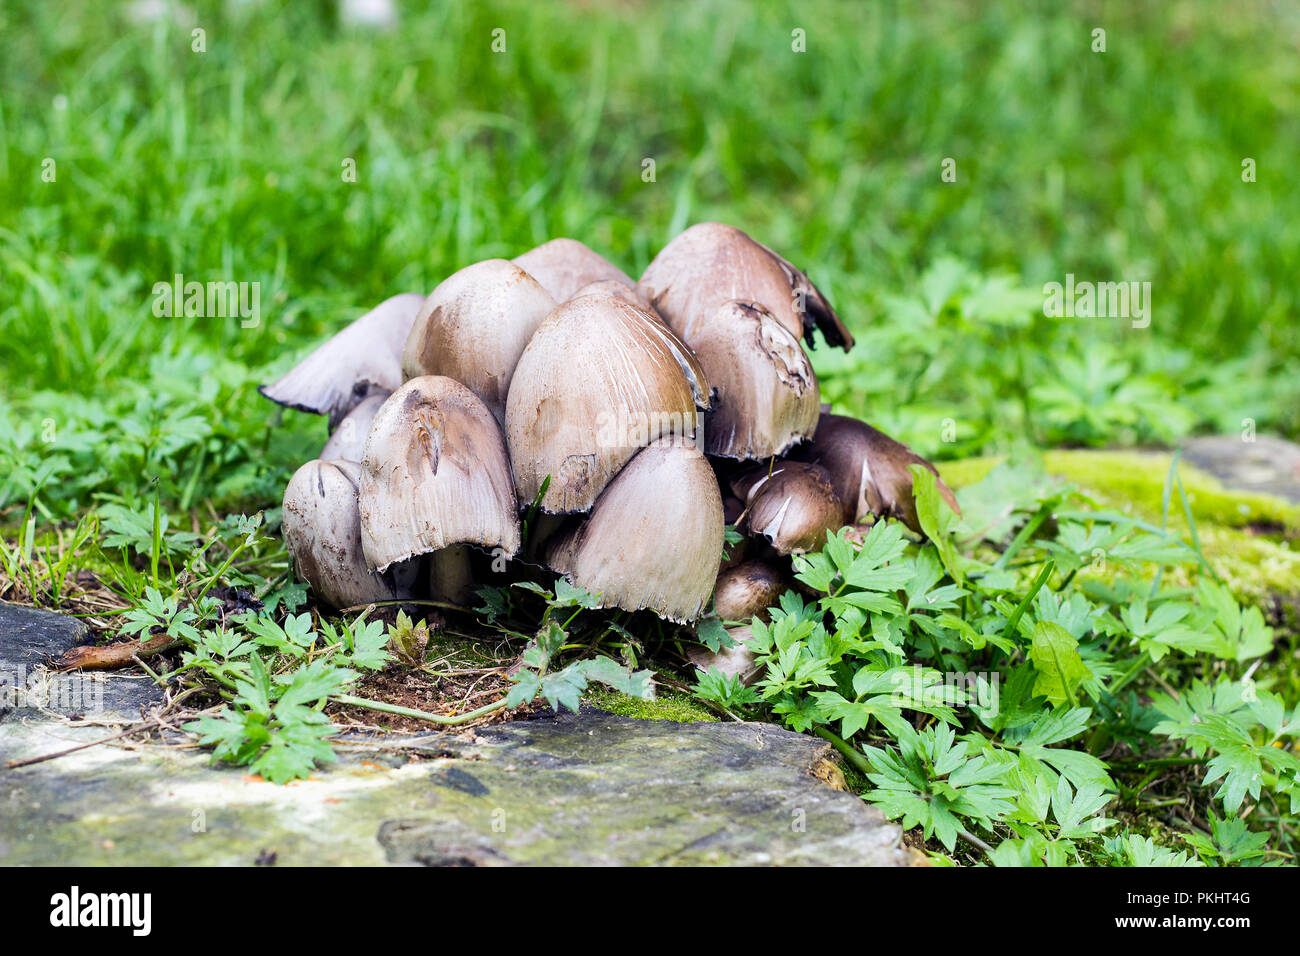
x: 711, y: 262
x: 563, y: 266
x: 766, y: 396
x: 654, y: 538
x: 599, y: 379
x: 474, y: 326
x: 435, y: 473
x: 365, y: 357
x: 348, y: 440
x: 869, y: 470
x: 322, y: 530
x: 747, y: 591
x: 793, y: 506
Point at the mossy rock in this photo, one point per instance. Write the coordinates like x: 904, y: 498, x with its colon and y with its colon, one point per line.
x: 1250, y: 538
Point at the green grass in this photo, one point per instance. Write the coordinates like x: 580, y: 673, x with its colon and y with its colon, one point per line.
x: 227, y: 165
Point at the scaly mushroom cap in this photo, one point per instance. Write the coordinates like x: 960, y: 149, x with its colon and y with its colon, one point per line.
x: 766, y: 396
x: 747, y: 591
x: 793, y: 506
x: 869, y: 470
x: 563, y: 266
x: 435, y: 473
x: 599, y: 379
x: 348, y: 441
x: 474, y: 327
x: 322, y: 530
x: 364, y: 358
x: 710, y: 263
x: 654, y: 538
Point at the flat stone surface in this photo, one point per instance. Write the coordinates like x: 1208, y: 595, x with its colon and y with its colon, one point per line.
x: 1266, y: 465
x: 590, y: 788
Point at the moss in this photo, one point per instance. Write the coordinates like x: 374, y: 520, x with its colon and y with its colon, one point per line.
x: 1248, y: 537
x: 677, y: 708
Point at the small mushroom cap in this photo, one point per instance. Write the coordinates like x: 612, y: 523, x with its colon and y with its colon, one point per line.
x: 322, y: 530
x: 711, y: 262
x: 747, y: 591
x: 365, y: 357
x: 793, y: 506
x: 435, y: 473
x: 599, y: 379
x: 563, y: 266
x: 736, y: 661
x: 474, y: 326
x: 654, y: 538
x: 869, y: 470
x: 766, y: 395
x: 348, y: 440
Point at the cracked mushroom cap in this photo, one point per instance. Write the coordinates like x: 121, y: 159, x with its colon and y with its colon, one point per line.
x: 766, y: 396
x: 599, y: 379
x: 793, y: 506
x: 348, y: 440
x: 322, y: 530
x: 654, y: 539
x: 747, y: 591
x: 563, y: 266
x: 435, y: 473
x: 711, y: 262
x: 364, y: 358
x: 474, y: 326
x: 869, y: 470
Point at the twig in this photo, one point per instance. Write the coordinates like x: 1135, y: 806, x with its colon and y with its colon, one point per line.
x: 14, y: 764
x: 446, y: 721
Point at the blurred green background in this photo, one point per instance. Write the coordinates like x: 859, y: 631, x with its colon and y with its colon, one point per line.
x: 226, y: 165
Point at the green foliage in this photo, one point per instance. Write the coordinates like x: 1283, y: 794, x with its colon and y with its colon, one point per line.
x: 990, y: 695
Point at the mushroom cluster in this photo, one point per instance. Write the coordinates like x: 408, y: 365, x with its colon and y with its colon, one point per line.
x: 635, y: 420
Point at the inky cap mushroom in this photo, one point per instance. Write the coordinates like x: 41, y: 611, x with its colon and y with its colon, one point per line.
x: 563, y: 266
x: 322, y: 530
x: 365, y: 357
x: 747, y: 591
x: 599, y: 379
x: 735, y: 661
x: 435, y: 473
x: 766, y: 396
x: 474, y: 326
x: 654, y: 538
x: 711, y: 262
x: 793, y: 506
x: 869, y: 470
x: 348, y: 440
